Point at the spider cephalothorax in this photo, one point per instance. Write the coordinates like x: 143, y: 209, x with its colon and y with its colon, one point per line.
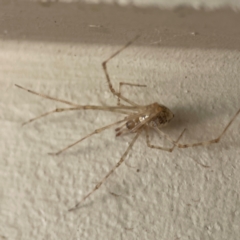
x: 162, y: 117
x: 153, y: 115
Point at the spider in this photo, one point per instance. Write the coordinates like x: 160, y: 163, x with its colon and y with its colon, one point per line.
x: 138, y: 119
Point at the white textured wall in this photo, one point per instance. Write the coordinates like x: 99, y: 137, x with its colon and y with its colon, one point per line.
x: 190, y: 61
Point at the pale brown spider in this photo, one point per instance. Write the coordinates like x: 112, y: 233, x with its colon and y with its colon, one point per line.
x: 138, y: 119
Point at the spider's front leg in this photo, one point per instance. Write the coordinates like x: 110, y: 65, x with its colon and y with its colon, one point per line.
x: 104, y: 65
x: 128, y: 84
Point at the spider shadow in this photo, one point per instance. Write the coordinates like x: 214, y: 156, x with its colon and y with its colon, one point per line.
x: 197, y: 118
x: 201, y: 113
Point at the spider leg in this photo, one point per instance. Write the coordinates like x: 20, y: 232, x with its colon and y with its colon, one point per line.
x: 129, y: 84
x: 175, y: 145
x: 87, y: 136
x: 104, y: 65
x: 84, y: 107
x: 159, y: 147
x: 48, y: 113
x: 47, y: 97
x: 110, y: 172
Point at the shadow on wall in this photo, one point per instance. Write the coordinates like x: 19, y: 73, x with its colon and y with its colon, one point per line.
x: 112, y: 24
